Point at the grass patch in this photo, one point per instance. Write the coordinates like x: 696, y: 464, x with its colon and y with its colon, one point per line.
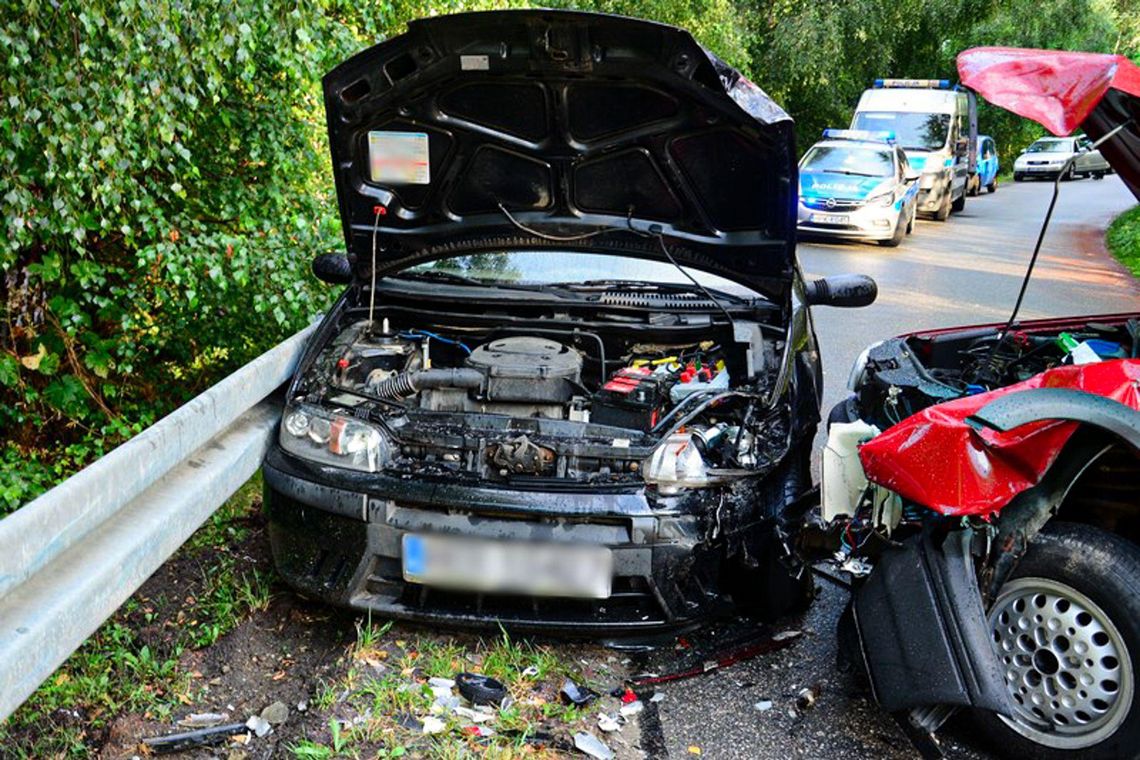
x: 131, y: 664
x: 385, y: 693
x: 1124, y: 239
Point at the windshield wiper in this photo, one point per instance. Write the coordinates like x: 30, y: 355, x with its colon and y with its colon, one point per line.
x: 451, y: 278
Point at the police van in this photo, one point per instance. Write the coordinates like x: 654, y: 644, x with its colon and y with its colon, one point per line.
x: 857, y: 184
x: 937, y: 126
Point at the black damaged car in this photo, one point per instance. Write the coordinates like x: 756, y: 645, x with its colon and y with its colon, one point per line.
x: 572, y: 384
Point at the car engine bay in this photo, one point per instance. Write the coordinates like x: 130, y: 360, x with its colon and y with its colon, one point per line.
x: 620, y: 396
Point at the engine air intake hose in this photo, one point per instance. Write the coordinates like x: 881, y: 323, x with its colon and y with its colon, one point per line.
x: 410, y: 383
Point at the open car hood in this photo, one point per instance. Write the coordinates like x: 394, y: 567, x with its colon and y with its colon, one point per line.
x: 1065, y: 91
x: 578, y: 124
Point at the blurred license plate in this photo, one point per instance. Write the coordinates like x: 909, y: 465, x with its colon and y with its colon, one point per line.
x: 829, y: 218
x: 508, y: 567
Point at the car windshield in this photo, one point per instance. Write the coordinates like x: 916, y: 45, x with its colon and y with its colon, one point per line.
x: 914, y: 131
x: 541, y: 268
x: 863, y: 162
x: 1050, y: 146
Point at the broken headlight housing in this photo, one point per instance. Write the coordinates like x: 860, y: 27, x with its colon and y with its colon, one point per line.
x: 675, y: 464
x: 325, y: 437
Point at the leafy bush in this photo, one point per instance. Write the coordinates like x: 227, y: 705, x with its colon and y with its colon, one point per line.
x: 165, y: 187
x: 1124, y: 239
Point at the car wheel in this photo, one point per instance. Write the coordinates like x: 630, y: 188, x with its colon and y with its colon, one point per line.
x: 910, y: 221
x: 959, y: 205
x: 1066, y: 626
x: 992, y: 187
x: 1098, y: 175
x: 1018, y: 176
x: 900, y: 232
x: 1069, y: 175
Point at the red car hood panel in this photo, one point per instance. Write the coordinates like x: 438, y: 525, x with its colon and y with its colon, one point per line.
x: 1064, y: 91
x: 935, y: 459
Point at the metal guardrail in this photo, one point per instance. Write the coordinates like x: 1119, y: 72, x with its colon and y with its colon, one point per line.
x: 71, y: 557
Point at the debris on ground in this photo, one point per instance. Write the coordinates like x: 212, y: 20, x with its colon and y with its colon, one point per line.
x: 203, y: 720
x: 633, y: 708
x: 806, y: 698
x: 658, y: 696
x: 694, y: 749
x: 203, y: 737
x: 258, y: 725
x: 592, y: 746
x: 786, y: 635
x: 275, y: 714
x: 626, y: 695
x: 575, y: 694
x: 763, y: 705
x: 479, y: 689
x: 608, y: 723
x: 475, y: 716
x: 433, y: 725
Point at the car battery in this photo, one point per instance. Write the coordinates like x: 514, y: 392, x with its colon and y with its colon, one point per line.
x: 633, y: 397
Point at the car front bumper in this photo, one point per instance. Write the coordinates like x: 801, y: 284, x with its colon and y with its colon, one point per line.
x: 342, y: 544
x: 865, y: 223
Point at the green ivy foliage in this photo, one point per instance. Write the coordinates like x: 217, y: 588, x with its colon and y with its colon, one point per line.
x: 165, y: 184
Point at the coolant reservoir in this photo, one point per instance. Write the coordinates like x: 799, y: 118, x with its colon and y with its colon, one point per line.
x: 843, y: 478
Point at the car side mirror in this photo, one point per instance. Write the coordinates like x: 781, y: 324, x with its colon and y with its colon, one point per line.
x: 845, y: 290
x: 333, y: 268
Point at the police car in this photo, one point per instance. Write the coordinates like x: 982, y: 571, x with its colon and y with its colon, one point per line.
x: 857, y: 184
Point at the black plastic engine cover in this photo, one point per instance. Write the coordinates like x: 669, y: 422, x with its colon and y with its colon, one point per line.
x: 528, y: 369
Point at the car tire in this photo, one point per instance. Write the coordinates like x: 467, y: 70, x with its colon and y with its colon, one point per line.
x: 943, y: 212
x: 896, y: 238
x: 959, y: 205
x: 911, y: 218
x: 1098, y: 175
x: 992, y: 187
x: 1086, y: 581
x: 1068, y: 176
x: 1018, y: 177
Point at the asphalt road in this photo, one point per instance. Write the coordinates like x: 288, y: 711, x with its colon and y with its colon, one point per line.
x: 964, y: 271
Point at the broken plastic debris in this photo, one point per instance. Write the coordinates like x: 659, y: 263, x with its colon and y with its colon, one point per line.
x: 203, y: 737
x: 303, y: 705
x: 202, y: 720
x: 628, y: 696
x: 573, y: 693
x: 479, y: 730
x: 276, y: 713
x: 633, y: 708
x: 479, y: 689
x: 694, y: 749
x: 446, y: 703
x: 441, y: 683
x: 658, y: 696
x: 258, y: 725
x: 530, y: 672
x: 475, y: 716
x: 592, y: 746
x: 433, y: 725
x: 608, y: 723
x: 784, y: 635
x: 763, y: 705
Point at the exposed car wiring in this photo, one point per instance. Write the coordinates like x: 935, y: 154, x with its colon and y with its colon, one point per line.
x: 380, y: 211
x: 547, y: 236
x: 1041, y: 239
x: 435, y: 336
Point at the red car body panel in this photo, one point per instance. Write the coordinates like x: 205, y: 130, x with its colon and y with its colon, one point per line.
x: 936, y: 459
x: 1062, y: 91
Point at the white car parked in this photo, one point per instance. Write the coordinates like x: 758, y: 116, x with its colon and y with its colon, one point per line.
x: 1046, y: 158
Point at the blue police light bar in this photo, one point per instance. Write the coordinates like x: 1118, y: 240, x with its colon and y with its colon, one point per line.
x: 859, y: 134
x: 922, y: 84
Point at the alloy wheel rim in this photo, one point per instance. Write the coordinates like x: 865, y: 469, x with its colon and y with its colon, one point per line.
x: 1067, y: 668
